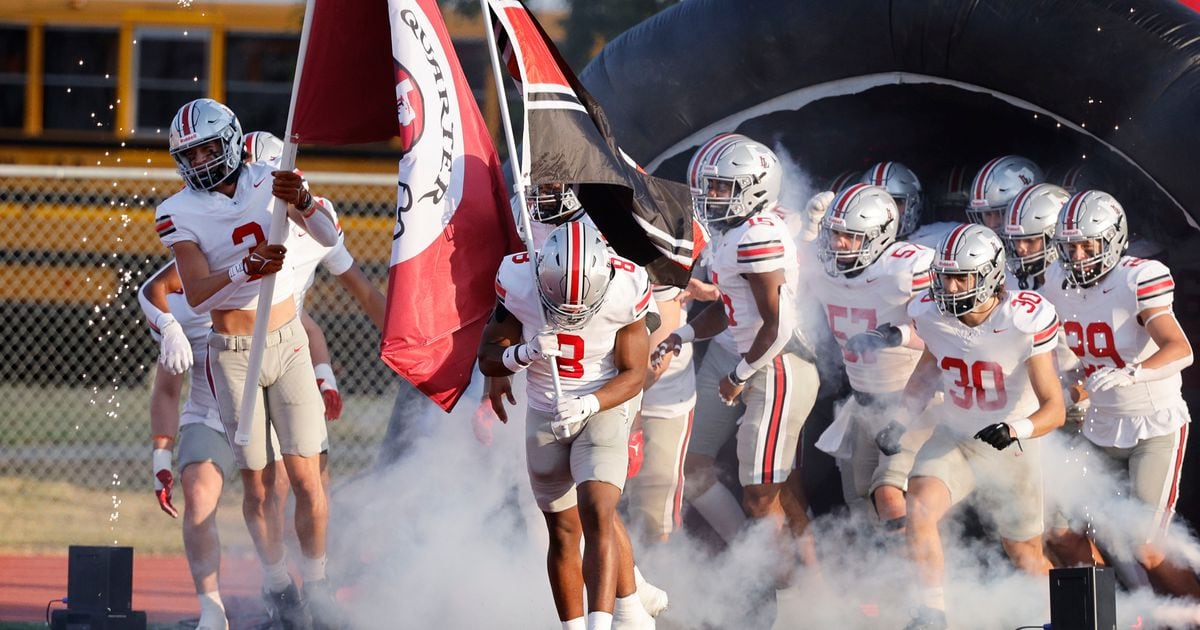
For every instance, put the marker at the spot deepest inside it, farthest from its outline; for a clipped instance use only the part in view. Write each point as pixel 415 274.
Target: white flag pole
pixel 276 235
pixel 520 175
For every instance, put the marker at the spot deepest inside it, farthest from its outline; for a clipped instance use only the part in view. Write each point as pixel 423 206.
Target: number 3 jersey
pixel 759 245
pixel 878 295
pixel 983 367
pixel 587 360
pixel 1100 326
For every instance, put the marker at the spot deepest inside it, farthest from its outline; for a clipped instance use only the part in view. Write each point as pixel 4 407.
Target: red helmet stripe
pixel 880 175
pixel 983 177
pixel 840 209
pixel 250 144
pixel 1072 175
pixel 185 119
pixel 952 241
pixel 575 270
pixel 1071 220
pixel 1014 217
pixel 707 155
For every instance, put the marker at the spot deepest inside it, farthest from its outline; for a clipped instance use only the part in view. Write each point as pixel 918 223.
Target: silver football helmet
pixel 953 193
pixel 968 250
pixel 553 203
pixel 262 146
pixel 863 216
pixel 737 178
pixel 1028 225
pixel 902 184
pixel 995 186
pixel 198 122
pixel 573 273
pixel 844 180
pixel 1080 177
pixel 1092 222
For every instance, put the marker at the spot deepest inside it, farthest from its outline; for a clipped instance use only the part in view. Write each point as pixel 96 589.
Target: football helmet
pixel 1032 214
pixel 262 146
pixel 197 123
pixel 867 214
pixel 967 250
pixel 553 203
pixel 953 194
pixel 573 274
pixel 904 187
pixel 737 178
pixel 1080 177
pixel 1096 216
pixel 844 180
pixel 995 186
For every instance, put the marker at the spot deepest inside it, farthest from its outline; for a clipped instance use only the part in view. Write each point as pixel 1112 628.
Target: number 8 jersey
pixel 587 361
pixel 983 367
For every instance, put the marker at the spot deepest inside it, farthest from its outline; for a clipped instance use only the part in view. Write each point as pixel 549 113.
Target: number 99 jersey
pixel 1101 327
pixel 983 367
pixel 587 357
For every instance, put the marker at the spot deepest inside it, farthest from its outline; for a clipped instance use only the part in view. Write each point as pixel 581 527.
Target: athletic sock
pixel 312 569
pixel 599 621
pixel 212 610
pixel 578 623
pixel 628 609
pixel 934 598
pixel 276 576
pixel 721 510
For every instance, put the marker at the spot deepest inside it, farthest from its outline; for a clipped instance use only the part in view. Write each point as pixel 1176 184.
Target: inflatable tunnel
pixel 935 84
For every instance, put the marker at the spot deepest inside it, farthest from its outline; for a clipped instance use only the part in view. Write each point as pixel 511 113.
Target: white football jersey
pixel 984 374
pixel 759 245
pixel 226 229
pixel 1100 326
pixel 673 394
pixel 931 234
pixel 878 295
pixel 304 253
pixel 587 360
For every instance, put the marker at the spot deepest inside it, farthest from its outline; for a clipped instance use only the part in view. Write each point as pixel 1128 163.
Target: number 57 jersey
pixel 983 367
pixel 587 360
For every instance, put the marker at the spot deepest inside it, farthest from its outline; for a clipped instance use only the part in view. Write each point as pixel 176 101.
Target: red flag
pixel 453 221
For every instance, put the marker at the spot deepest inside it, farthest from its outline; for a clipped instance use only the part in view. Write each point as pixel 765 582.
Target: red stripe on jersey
pixel 250 145
pixel 164 225
pixel 775 420
pixel 677 503
pixel 1169 283
pixel 981 179
pixel 758 251
pixel 1169 508
pixel 642 303
pixel 922 281
pixel 500 290
pixel 1046 333
pixel 1014 217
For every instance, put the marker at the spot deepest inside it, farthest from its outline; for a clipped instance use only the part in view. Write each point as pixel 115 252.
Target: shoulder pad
pixel 1031 311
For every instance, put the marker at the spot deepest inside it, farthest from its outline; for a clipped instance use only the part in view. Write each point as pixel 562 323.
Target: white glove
pixel 570 412
pixel 1107 378
pixel 816 211
pixel 544 344
pixel 175 351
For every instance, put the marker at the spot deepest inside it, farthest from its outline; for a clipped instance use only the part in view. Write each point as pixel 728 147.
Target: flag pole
pixel 276 235
pixel 519 175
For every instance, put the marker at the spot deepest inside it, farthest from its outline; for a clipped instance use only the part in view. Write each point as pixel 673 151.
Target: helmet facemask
pixel 720 203
pixel 974 253
pixel 1031 266
pixel 1094 221
pixel 849 261
pixel 1090 269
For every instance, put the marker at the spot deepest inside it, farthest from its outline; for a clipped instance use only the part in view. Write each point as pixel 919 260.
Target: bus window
pixel 80 89
pixel 172 69
pixel 258 78
pixel 12 75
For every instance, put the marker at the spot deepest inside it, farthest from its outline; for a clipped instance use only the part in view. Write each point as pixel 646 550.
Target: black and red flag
pixel 566 138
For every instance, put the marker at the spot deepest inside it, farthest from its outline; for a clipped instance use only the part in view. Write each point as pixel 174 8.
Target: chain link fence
pixel 78 361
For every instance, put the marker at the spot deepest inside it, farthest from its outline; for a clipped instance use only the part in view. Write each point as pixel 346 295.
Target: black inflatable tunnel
pixel 934 84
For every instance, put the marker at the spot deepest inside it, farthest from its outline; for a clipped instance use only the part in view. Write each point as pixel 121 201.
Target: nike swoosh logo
pixel 1109 289
pixel 256 184
pixel 298 349
pixel 999 330
pixel 870 280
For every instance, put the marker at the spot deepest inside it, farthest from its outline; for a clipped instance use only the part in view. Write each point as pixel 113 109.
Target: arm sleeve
pixel 338 260
pixel 324 228
pixel 151 311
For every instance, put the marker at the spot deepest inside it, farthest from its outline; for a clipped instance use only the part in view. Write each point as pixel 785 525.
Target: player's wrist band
pixel 237 274
pixel 686 333
pixel 308 205
pixel 161 458
pixel 511 360
pixel 164 320
pixel 1022 429
pixel 741 373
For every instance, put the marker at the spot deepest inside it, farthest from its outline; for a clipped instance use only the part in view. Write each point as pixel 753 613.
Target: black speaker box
pixel 96 620
pixel 1083 598
pixel 100 579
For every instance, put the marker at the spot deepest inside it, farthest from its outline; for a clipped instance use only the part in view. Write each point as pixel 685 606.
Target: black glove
pixel 997 435
pixel 888 440
pixel 885 336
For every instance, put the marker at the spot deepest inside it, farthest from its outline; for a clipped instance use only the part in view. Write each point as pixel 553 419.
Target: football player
pixel 904 187
pixel 996 184
pixel 1118 320
pixel 586 309
pixel 1028 234
pixel 989 350
pixel 757 379
pixel 870 277
pixel 217 228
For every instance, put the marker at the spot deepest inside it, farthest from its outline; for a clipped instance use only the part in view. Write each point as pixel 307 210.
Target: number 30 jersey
pixel 587 360
pixel 1100 326
pixel 983 367
pixel 879 295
